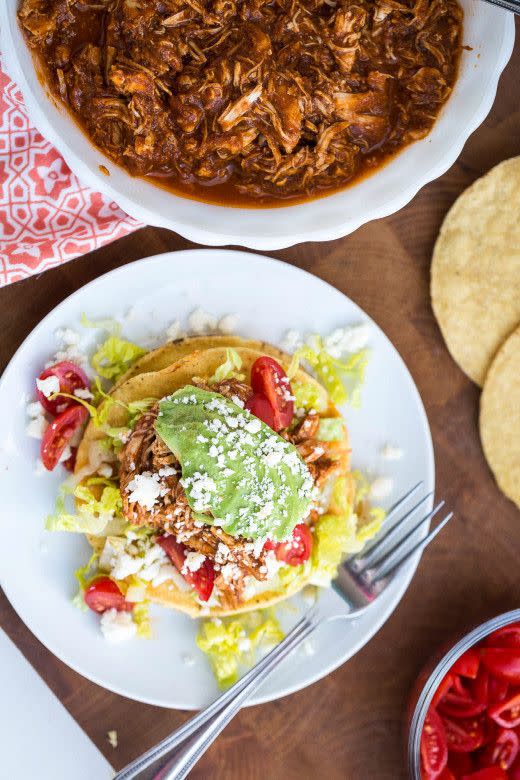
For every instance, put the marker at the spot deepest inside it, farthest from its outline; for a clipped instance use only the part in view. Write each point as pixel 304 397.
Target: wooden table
pixel 349 725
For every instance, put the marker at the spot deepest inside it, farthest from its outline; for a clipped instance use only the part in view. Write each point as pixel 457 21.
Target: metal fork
pixel 361 578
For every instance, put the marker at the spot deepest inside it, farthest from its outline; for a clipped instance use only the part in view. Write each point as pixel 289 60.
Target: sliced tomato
pixel 507 712
pixel 457 706
pixel 261 408
pixel 434 749
pixel 103 594
pixel 442 690
pixel 71 377
pixel 498 689
pixel 468 664
pixel 297 550
pixel 270 380
pixel 464 735
pixel 480 686
pixel 507 636
pixel 201 580
pixel 503 663
pixel 489 773
pixel 59 433
pixel 503 751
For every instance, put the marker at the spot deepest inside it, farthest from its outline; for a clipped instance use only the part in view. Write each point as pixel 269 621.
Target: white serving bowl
pixel 489 31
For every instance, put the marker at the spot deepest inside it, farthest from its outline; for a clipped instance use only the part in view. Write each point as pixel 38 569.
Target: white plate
pixel 488 30
pixel 36 567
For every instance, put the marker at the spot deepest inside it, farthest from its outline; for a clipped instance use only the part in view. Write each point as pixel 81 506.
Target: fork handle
pixel 183 758
pixel 146 765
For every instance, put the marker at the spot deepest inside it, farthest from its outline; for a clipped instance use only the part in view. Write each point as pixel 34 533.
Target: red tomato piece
pixel 468 664
pixel 464 735
pixel 456 706
pixel 489 773
pixel 460 763
pixel 446 774
pixel 442 690
pixel 71 377
pixel 506 713
pixel 498 689
pixel 434 750
pixel 201 580
pixel 59 433
pixel 503 663
pixel 503 751
pixel 480 686
pixel 261 408
pixel 103 594
pixel 297 550
pixel 270 380
pixel 70 463
pixel 507 636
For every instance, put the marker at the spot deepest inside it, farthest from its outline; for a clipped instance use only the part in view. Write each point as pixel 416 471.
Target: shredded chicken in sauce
pixel 263 99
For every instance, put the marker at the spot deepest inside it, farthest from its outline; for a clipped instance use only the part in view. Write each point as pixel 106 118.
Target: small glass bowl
pixel 431 677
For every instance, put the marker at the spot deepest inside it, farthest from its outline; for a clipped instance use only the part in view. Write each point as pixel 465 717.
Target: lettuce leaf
pixel 115 356
pixel 331 429
pixel 96 516
pixel 306 396
pixel 84 576
pixel 341 378
pixel 229 368
pixel 232 644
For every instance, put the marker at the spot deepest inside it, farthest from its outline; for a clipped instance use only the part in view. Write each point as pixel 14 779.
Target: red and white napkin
pixel 46 215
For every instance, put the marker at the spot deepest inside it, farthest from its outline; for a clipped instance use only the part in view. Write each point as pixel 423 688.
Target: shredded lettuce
pixel 96 516
pixel 306 396
pixel 108 323
pixel 336 535
pixel 232 644
pixel 84 577
pixel 229 368
pixel 331 429
pixel 341 378
pixel 141 617
pixel 115 356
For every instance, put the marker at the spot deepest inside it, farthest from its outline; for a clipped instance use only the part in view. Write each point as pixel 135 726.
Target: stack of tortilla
pixel 475 288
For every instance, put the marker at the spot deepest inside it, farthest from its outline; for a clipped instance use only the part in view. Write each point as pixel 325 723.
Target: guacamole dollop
pixel 236 471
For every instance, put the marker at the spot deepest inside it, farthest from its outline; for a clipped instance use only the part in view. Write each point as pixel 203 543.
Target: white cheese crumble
pixel 36 427
pixel 174 331
pixel 48 386
pixel 117 626
pixel 228 323
pixel 67 336
pixel 389 452
pixel 292 340
pixel 201 322
pixel 381 488
pixel 112 738
pixel 84 393
pixel 65 455
pixel 145 489
pixel 349 339
pixel 105 470
pixel 193 561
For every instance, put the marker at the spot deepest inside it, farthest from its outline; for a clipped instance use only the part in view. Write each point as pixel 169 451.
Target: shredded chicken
pixel 260 99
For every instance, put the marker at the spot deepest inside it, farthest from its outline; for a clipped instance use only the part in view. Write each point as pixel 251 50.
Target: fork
pixel 361 578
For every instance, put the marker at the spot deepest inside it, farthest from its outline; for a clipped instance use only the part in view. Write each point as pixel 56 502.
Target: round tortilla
pixel 475 274
pixel 500 417
pixel 157 384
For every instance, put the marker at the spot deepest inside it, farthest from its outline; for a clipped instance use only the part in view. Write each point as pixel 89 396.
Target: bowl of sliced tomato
pixel 464 714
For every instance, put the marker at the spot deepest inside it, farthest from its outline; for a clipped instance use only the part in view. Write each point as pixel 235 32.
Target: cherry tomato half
pixel 71 377
pixel 507 636
pixel 506 713
pixel 202 580
pixel 261 408
pixel 503 663
pixel 442 690
pixel 502 751
pixel 434 749
pixel 103 594
pixel 456 706
pixel 446 774
pixel 270 380
pixel 59 433
pixel 468 664
pixel 297 550
pixel 464 734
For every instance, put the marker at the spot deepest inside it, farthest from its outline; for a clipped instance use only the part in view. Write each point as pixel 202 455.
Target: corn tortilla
pixel 475 274
pixel 500 417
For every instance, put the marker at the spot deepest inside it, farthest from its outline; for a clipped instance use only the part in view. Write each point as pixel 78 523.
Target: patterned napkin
pixel 46 215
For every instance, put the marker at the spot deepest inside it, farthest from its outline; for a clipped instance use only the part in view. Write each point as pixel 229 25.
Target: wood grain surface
pixel 350 724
